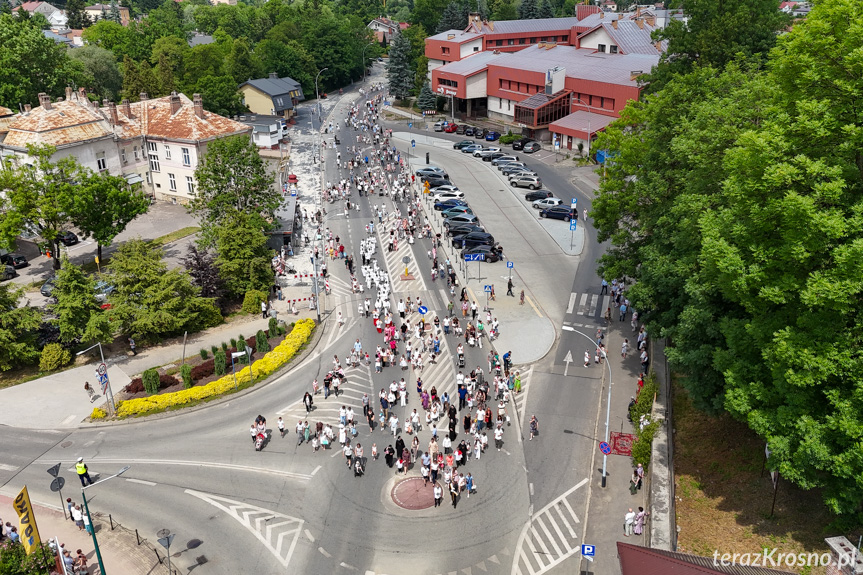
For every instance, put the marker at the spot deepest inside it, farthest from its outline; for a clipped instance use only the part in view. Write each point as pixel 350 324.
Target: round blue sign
pixel 423 310
pixel 604 447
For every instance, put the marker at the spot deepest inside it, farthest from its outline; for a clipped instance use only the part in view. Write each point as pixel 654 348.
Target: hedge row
pixel 272 361
pixel 137 384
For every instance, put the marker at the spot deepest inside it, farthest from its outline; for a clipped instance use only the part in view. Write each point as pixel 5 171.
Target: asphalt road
pixel 288 508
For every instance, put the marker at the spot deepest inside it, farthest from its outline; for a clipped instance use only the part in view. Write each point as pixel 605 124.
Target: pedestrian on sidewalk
pixel 587 359
pixel 90 391
pixel 521 298
pixel 438 495
pixel 624 347
pixel 604 289
pixel 132 346
pixel 628 522
pixel 640 518
pixel 263 310
pixel 509 286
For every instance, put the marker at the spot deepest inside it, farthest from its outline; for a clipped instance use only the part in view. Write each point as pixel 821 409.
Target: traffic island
pixel 413 494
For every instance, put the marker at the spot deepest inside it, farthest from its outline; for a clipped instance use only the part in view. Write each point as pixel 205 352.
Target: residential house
pixel 272 96
pixel 98 12
pixel 386 29
pixel 56 17
pixel 58 38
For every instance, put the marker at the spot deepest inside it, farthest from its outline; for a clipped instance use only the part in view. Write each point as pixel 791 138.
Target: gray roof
pixel 580 63
pixel 460 36
pixel 581 121
pixel 537 25
pixel 57 38
pixel 199 39
pixel 630 38
pixel 279 89
pixel 471 65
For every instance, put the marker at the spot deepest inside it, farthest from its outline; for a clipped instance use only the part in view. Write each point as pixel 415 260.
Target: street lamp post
pixel 318 97
pixel 364 59
pixel 109 394
pixel 90 518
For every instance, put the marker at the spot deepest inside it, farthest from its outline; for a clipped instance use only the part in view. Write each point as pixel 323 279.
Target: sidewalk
pixel 119 548
pixel 58 401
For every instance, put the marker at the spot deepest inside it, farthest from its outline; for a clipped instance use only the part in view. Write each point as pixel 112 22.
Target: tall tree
pixel 101 65
pixel 426 99
pixel 232 177
pixel 79 314
pixel 528 9
pixel 241 63
pixel 220 95
pixel 77 17
pixel 18 329
pixel 400 76
pixel 150 301
pixel 114 14
pixel 38 197
pixel 453 17
pixel 505 10
pixel 427 13
pixel 103 205
pixel 242 254
pixel 202 268
pixel 546 10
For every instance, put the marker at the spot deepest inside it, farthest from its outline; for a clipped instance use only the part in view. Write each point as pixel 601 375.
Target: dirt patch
pixel 723 501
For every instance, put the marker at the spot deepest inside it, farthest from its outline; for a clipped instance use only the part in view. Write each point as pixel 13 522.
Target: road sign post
pixel 57 484
pixel 509 266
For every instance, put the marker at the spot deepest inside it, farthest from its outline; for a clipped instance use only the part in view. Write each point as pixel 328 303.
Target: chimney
pixel 651 21
pixel 69 91
pixel 658 45
pixel 104 102
pixel 198 104
pixel 640 23
pixel 450 36
pixel 143 96
pixel 27 108
pixel 175 103
pixel 614 24
pixel 638 12
pixel 601 15
pixel 112 113
pixel 127 107
pixel 635 74
pixel 620 16
pixel 274 76
pixel 45 100
pixel 82 94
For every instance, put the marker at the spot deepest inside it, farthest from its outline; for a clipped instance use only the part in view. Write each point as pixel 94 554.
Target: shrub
pixel 252 301
pixel 240 338
pixel 151 381
pixel 206 369
pixel 186 374
pixel 271 326
pixel 261 343
pixel 224 346
pixel 98 414
pixel 280 331
pixel 214 349
pixel 135 386
pixel 272 361
pixel 54 356
pixel 167 380
pixel 220 363
pixel 233 343
pixel 644 402
pixel 641 445
pixel 204 354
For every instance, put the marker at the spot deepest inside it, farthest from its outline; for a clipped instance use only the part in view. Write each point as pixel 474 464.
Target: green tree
pixel 220 95
pixel 427 13
pixel 287 59
pixel 114 13
pixel 169 56
pixel 202 268
pixel 427 98
pixel 79 315
pixel 240 63
pixel 505 10
pixel 38 197
pixel 103 206
pixel 528 9
pixel 453 17
pixel 400 76
pixel 77 16
pixel 204 60
pixel 102 68
pixel 18 325
pixel 232 178
pixel 138 78
pixel 242 254
pixel 150 301
pixel 546 10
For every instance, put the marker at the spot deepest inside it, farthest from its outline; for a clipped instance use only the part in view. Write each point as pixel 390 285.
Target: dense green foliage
pixel 242 255
pixel 150 378
pixel 735 202
pixel 186 375
pixel 400 75
pixel 18 327
pixel 80 318
pixel 261 344
pixel 53 357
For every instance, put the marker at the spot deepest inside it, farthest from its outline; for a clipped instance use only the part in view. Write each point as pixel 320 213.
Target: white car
pixel 527 172
pixel 444 188
pixel 485 151
pixel 546 203
pixel 441 196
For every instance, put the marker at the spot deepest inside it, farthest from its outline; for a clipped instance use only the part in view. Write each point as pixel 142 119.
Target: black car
pixel 461 229
pixel 462 144
pixel 537 195
pixel 468 130
pixel 479 133
pixel 492 254
pixel 519 144
pixel 7 273
pixel 47 287
pixel 494 156
pixel 17 261
pixel 473 239
pixel 564 213
pixel 67 238
pixel 435 181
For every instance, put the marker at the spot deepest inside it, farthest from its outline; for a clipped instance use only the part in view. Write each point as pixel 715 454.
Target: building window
pixel 167 153
pixel 152 146
pixel 600 48
pixel 510 42
pixel 533 40
pixel 499 43
pixel 190 185
pixel 154 160
pixel 123 154
pixel 172 182
pixel 508 105
pixel 187 160
pixel 137 157
pixel 612 49
pixel 100 161
pixel 444 50
pixel 476 48
pixel 521 40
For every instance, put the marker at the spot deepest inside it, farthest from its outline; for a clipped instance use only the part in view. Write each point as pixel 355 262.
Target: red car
pixel 450 128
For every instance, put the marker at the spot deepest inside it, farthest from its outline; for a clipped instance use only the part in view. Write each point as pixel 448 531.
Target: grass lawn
pixel 723 503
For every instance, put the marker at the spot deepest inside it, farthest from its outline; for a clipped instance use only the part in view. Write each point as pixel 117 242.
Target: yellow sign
pixel 97 259
pixel 27 522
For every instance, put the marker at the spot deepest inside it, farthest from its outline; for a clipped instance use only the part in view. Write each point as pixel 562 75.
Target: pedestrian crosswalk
pixel 591 305
pixel 550 536
pixel 395 261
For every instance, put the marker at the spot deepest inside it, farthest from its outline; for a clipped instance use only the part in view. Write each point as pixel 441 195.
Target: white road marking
pixel 244 513
pixel 571 305
pixel 301 476
pixel 316 469
pixel 324 552
pixel 567 328
pixel 7 467
pixel 530 487
pixel 309 535
pixel 141 482
pixel 69 419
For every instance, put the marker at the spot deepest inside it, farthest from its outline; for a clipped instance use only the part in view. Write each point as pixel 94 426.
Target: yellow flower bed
pixel 272 361
pixel 98 414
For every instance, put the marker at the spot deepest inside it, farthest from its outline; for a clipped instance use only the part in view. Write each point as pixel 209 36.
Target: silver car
pixel 546 203
pixel 530 182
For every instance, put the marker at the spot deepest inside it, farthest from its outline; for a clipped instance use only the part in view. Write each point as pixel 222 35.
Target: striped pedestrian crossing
pixel 588 305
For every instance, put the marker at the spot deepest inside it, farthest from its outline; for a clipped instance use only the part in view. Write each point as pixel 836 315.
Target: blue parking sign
pixel 572 225
pixel 588 550
pixel 510 264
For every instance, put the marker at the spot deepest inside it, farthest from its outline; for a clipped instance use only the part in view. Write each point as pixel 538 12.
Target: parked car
pixel 493 156
pixel 468 131
pixel 461 128
pixel 491 136
pixel 455 211
pixel 532 147
pixel 17 261
pixel 547 203
pixel 439 126
pixel 531 182
pixel 504 158
pixel 444 188
pixel 519 173
pixel 435 181
pixel 460 219
pixel 519 144
pixel 504 163
pixel 450 128
pixel 67 238
pixel 444 205
pixel 537 195
pixel 103 290
pixel 443 196
pixel 511 168
pixel 473 239
pixel 486 152
pixel 471 149
pixel 561 212
pixel 8 272
pixel 462 144
pixel 48 287
pixel 480 133
pixel 461 229
pixel 432 171
pixel 492 254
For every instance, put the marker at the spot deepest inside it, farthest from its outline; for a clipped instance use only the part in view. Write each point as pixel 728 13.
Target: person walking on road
pixel 534 427
pixel 438 495
pixel 628 522
pixel 83 472
pixel 509 286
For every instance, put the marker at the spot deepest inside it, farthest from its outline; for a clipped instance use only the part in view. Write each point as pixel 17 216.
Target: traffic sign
pixel 510 264
pixel 574 202
pixel 406 260
pixel 474 257
pixel 410 124
pixel 413 143
pixel 604 447
pixel 54 471
pixel 101 369
pixel 572 225
pixel 487 289
pixel 588 550
pixel 423 310
pixel 57 484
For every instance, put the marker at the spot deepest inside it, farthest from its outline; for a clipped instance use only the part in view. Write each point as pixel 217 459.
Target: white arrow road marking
pixel 233 508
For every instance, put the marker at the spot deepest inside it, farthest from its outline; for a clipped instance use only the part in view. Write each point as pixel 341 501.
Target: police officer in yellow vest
pixel 81 469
